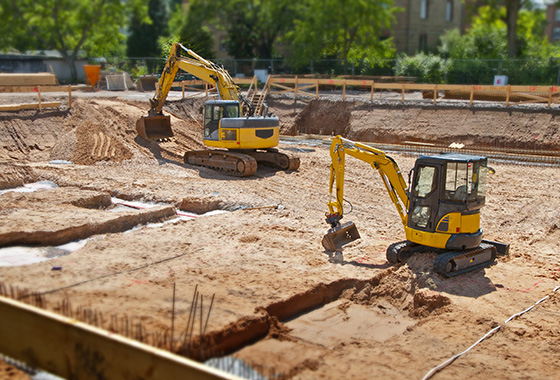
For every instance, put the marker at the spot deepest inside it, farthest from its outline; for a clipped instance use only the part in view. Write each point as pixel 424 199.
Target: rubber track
pixel 440 263
pixel 230 163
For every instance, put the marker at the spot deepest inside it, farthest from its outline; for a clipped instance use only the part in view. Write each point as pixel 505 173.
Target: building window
pixel 557 15
pixel 423 42
pixel 556 34
pixel 224 44
pixel 449 11
pixel 423 9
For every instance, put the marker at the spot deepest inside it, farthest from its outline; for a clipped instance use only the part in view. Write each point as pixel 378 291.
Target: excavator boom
pixel 156 126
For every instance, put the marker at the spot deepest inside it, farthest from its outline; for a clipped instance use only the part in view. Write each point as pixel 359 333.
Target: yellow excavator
pixel 440 211
pixel 230 122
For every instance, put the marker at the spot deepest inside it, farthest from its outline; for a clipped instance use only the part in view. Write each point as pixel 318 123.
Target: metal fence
pixel 519 71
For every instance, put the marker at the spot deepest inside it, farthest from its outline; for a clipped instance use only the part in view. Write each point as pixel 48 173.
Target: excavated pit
pixel 278 297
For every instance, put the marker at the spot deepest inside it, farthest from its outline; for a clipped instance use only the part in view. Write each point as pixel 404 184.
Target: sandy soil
pixel 279 301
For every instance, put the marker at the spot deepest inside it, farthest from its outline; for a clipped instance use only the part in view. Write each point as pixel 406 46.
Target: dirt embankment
pixel 485 126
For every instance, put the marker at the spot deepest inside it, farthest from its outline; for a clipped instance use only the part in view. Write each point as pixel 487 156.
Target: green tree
pixel 143 40
pixel 193 31
pixel 511 16
pixel 350 30
pixel 487 37
pixel 254 26
pixel 67 26
pixel 427 68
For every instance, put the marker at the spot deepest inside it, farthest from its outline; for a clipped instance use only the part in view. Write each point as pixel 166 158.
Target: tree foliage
pixel 349 30
pixel 427 68
pixel 511 13
pixel 254 26
pixel 193 31
pixel 67 26
pixel 144 34
pixel 487 38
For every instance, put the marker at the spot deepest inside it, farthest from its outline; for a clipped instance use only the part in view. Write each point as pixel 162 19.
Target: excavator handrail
pixel 387 167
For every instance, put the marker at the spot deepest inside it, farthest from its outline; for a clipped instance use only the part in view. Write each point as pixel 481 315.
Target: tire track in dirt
pixel 102 147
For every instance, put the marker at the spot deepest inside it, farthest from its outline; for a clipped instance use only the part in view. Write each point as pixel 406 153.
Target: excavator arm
pixel 396 187
pixel 157 126
pixel 200 68
pixel 386 166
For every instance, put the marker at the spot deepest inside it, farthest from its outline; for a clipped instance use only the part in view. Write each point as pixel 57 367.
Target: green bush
pixel 427 68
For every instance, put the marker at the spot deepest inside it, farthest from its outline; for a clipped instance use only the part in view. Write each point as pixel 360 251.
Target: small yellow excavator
pixel 440 212
pixel 229 122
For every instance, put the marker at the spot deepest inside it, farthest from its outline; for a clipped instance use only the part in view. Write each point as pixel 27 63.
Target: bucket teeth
pixel 339 236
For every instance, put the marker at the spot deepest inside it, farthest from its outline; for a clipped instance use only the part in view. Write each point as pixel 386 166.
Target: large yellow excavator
pixel 440 211
pixel 229 123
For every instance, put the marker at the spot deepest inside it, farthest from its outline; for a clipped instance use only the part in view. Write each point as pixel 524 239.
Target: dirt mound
pixel 29 135
pixel 99 133
pixel 407 288
pixel 99 130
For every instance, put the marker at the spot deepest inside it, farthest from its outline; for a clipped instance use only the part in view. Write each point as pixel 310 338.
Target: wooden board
pixel 29 106
pixel 28 79
pixel 72 349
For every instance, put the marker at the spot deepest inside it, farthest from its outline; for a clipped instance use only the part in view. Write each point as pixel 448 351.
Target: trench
pixel 249 330
pixel 28 247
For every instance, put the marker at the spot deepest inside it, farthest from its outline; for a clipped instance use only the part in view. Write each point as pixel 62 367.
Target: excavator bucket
pixel 154 127
pixel 340 236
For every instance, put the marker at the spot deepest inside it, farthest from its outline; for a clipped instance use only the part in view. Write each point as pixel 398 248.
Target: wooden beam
pixel 29 106
pixel 75 350
pixel 28 79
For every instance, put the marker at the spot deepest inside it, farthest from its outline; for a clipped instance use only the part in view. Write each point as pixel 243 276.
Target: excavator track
pixel 454 263
pixel 273 157
pixel 398 252
pixel 230 163
pixel 448 263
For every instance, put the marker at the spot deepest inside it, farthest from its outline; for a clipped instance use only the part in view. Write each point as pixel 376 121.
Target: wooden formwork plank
pixel 28 79
pixel 29 106
pixel 75 350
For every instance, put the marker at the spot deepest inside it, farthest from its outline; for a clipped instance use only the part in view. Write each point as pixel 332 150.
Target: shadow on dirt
pixel 338 258
pixel 472 284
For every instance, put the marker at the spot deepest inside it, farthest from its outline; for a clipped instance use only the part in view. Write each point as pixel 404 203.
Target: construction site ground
pixel 280 302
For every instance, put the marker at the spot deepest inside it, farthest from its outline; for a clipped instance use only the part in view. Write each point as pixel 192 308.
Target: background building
pixel 422 22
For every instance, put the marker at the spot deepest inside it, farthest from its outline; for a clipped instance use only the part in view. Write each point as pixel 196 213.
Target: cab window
pixel 208 114
pixel 231 111
pixel 217 113
pixel 465 181
pixel 426 181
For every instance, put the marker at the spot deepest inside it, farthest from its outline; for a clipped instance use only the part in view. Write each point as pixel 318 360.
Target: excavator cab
pixel 446 196
pixel 214 112
pixel 225 127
